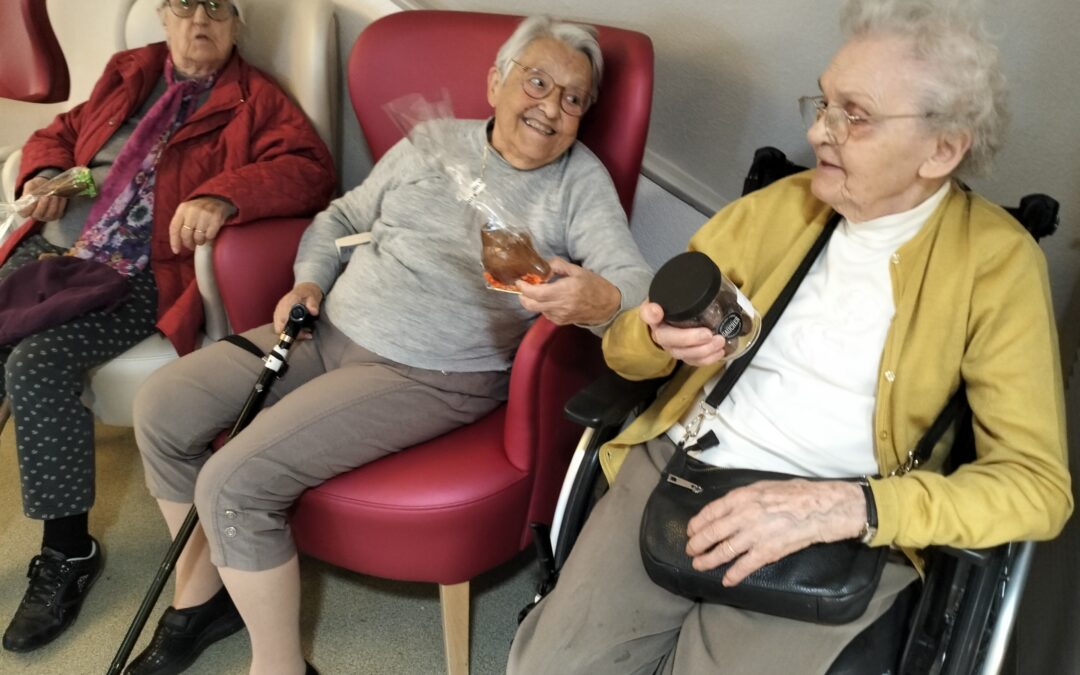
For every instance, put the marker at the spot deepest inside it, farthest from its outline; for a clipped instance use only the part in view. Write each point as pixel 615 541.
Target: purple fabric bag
pixel 47 293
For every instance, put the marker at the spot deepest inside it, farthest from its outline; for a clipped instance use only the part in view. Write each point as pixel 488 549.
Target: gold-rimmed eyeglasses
pixel 839 122
pixel 218 10
pixel 539 85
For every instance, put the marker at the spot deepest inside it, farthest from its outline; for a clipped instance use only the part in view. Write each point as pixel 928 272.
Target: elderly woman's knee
pixel 34 361
pixel 155 400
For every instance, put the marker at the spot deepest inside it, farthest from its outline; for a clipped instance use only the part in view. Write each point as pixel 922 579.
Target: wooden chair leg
pixel 455 617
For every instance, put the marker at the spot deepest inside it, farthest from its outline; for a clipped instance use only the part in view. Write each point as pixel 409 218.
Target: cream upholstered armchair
pixel 294 42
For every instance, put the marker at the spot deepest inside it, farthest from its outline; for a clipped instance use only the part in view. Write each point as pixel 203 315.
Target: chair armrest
pixel 252 267
pixel 215 319
pixel 973 556
pixel 610 399
pixel 10 156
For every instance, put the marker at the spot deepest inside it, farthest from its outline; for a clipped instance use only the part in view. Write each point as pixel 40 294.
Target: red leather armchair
pixel 454 507
pixel 32 67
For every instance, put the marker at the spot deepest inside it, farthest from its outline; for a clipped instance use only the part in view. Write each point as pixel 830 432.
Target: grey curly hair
pixel 581 37
pixel 965 88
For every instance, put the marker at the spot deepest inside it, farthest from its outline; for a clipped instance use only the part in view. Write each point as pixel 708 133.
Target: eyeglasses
pixel 539 85
pixel 218 10
pixel 839 122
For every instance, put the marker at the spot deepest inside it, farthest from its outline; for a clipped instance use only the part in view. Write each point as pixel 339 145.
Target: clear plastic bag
pixel 76 181
pixel 507 252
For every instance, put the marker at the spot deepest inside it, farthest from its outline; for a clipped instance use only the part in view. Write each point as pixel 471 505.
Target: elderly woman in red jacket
pixel 184 138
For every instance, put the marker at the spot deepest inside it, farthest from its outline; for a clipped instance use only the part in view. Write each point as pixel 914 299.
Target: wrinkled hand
pixel 761 523
pixel 694 346
pixel 44 209
pixel 198 221
pixel 305 292
pixel 578 296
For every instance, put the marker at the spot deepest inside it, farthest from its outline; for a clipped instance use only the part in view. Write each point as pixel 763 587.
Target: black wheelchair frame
pixel 958 621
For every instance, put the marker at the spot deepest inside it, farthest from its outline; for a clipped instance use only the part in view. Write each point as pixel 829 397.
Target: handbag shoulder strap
pixel 953 409
pixel 735 370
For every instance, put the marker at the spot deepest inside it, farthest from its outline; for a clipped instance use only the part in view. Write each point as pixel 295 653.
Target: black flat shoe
pixel 182 634
pixel 58 586
pixel 310 669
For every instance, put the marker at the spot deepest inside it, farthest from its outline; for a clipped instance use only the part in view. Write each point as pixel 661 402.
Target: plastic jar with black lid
pixel 692 292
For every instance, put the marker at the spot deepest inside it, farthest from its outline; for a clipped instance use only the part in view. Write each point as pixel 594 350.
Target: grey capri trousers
pixel 338 406
pixel 606 617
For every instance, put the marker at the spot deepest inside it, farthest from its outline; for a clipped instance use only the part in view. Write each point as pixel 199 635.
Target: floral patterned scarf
pixel 117 231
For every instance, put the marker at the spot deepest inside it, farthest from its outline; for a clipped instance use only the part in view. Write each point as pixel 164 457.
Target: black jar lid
pixel 685 285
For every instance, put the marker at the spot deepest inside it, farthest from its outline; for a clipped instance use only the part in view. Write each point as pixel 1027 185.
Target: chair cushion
pixel 414 516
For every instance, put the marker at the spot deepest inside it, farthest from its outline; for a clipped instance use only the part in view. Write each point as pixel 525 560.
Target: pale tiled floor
pixel 352 624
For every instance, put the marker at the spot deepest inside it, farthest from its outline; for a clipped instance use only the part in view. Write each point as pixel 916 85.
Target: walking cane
pixel 275 364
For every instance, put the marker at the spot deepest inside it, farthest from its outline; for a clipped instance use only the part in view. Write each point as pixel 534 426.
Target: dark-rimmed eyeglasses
pixel 839 122
pixel 218 10
pixel 539 85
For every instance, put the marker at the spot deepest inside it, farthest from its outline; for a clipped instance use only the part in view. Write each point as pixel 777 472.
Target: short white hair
pixel 964 88
pixel 581 37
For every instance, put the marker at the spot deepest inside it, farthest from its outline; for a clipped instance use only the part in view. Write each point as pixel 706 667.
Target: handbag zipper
pixel 683 483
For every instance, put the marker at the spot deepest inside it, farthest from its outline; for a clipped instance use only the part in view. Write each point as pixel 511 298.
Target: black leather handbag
pixel 823 583
pixel 828 583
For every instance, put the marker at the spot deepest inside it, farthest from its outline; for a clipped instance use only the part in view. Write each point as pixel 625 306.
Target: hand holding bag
pixel 823 583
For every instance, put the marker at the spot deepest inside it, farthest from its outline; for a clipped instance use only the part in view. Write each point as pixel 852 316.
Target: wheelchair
pixel 957 621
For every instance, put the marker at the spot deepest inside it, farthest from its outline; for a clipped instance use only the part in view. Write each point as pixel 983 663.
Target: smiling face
pixel 528 132
pixel 886 165
pixel 199 45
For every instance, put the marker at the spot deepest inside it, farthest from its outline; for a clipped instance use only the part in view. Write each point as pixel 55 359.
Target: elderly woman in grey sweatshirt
pixel 407 325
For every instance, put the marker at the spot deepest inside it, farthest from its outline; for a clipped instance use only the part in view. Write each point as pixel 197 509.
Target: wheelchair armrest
pixel 973 556
pixel 609 399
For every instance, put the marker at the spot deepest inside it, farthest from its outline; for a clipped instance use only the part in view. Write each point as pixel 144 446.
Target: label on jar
pixel 730 326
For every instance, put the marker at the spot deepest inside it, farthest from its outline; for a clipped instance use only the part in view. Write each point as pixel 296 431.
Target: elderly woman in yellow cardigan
pixel 923 287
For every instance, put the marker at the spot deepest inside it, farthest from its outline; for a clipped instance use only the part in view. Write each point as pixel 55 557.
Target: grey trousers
pixel 606 617
pixel 338 407
pixel 43 375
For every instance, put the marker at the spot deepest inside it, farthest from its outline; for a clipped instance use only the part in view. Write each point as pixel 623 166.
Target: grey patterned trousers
pixel 43 376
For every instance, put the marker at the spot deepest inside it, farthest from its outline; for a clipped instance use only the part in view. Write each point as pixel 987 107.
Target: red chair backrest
pixel 32 66
pixel 454 50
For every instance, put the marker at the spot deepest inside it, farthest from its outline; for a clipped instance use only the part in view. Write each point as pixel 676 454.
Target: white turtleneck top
pixel 805 404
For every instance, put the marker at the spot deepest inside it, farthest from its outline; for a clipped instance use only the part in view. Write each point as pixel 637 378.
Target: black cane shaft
pixel 154 592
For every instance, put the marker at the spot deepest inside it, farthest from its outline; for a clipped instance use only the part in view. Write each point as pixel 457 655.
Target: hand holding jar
pixel 692 293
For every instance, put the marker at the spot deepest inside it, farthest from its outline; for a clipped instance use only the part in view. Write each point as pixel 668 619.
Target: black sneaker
pixel 183 634
pixel 58 586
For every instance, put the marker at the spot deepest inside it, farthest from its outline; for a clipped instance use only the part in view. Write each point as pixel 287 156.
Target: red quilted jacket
pixel 248 143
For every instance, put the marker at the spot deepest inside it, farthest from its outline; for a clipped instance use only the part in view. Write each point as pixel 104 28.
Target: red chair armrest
pixel 253 265
pixel 552 364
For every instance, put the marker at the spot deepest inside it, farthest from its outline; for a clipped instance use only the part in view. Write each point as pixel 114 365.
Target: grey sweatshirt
pixel 416 293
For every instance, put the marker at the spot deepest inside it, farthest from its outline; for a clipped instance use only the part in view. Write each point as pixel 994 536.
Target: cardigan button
pixel 884 434
pixel 895 258
pixel 890 375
